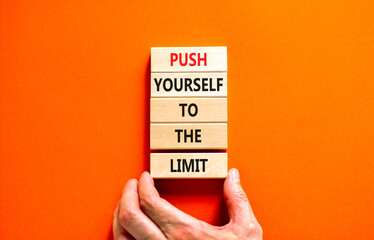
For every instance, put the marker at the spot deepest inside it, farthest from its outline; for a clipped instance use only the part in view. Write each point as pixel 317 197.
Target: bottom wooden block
pixel 189 165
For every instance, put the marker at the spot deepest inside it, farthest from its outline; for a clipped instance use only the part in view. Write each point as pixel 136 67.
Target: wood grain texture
pixel 176 110
pixel 189 165
pixel 216 59
pixel 211 136
pixel 215 83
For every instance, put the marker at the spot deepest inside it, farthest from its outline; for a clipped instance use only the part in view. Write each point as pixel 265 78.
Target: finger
pixel 132 219
pixel 169 218
pixel 236 200
pixel 119 233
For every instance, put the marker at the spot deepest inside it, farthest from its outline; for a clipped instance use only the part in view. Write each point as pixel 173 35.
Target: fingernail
pixel 132 180
pixel 234 174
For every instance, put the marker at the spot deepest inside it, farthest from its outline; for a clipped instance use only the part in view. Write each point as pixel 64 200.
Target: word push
pixel 188 111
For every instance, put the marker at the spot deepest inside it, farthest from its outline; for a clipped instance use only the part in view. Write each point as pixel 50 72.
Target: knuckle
pixel 146 203
pixel 126 216
pixel 187 229
pixel 240 195
pixel 191 230
pixel 184 232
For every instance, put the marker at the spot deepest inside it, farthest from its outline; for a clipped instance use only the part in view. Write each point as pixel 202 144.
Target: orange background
pixel 74 99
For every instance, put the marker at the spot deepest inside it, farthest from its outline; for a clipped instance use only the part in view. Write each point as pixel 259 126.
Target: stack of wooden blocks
pixel 188 132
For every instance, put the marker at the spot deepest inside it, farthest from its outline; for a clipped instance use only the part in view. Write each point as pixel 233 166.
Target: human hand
pixel 142 214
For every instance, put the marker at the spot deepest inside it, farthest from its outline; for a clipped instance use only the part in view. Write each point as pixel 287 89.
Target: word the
pixel 188 84
pixel 194 135
pixel 190 59
pixel 191 165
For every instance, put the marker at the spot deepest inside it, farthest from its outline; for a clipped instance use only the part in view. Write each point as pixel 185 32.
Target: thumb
pixel 236 200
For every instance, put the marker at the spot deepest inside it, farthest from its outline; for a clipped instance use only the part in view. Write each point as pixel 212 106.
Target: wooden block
pixel 188 136
pixel 189 165
pixel 189 84
pixel 189 59
pixel 168 110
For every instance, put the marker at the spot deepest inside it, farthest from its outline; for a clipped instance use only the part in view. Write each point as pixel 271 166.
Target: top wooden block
pixel 189 59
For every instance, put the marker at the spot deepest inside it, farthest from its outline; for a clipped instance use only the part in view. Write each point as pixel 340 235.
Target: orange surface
pixel 74 112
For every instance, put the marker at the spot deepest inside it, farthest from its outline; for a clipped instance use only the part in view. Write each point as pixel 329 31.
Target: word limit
pixel 191 165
